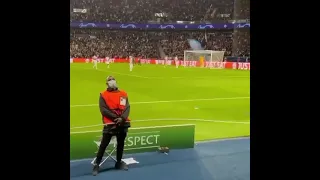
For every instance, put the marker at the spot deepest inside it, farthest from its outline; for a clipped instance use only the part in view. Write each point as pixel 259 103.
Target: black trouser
pixel 106 138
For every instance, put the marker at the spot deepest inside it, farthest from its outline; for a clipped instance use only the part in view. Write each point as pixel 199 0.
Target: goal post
pixel 203 56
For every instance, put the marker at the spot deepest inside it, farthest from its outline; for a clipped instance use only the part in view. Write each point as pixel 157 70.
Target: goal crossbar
pixel 214 55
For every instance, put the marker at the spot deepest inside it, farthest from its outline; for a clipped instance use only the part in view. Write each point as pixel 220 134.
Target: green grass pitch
pixel 217 101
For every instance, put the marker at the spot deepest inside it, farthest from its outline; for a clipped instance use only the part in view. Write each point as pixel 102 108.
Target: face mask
pixel 112 84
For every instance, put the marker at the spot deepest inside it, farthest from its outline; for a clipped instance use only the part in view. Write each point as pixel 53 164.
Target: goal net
pixel 203 56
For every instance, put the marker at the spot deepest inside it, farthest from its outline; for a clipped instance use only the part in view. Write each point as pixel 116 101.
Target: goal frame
pixel 211 52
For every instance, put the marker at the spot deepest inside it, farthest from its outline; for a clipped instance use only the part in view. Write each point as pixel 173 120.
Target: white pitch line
pixel 146 77
pixel 203 77
pixel 148 127
pixel 169 101
pixel 173 119
pixel 222 139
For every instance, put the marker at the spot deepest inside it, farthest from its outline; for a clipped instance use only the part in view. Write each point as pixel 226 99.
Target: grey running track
pixel 215 160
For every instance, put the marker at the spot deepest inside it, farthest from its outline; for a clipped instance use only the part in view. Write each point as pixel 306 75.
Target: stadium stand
pixel 144 10
pixel 146 43
pixel 222 159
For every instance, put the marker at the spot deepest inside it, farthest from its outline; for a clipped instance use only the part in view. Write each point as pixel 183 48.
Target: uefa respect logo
pixel 135 141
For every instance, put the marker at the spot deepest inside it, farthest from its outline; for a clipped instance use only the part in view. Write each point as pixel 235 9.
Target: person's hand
pixel 119 121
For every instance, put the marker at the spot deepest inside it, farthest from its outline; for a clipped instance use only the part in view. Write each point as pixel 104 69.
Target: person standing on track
pixel 115 110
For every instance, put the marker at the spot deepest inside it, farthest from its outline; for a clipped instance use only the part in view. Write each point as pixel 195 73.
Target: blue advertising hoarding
pixel 172 26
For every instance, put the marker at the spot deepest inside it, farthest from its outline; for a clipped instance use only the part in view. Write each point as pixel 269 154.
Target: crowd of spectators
pixel 123 43
pixel 172 10
pixel 152 43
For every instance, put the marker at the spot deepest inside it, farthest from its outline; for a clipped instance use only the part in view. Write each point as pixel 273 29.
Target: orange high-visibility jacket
pixel 116 101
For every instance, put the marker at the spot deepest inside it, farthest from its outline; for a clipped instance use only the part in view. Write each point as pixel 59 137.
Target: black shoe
pixel 95 170
pixel 121 165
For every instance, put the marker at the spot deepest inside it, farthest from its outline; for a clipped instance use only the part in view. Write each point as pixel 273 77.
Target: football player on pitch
pixel 165 61
pixel 176 61
pixel 95 62
pixel 107 60
pixel 131 61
